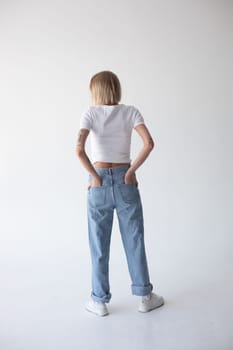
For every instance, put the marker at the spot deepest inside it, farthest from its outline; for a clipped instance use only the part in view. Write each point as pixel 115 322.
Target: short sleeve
pixel 85 121
pixel 137 118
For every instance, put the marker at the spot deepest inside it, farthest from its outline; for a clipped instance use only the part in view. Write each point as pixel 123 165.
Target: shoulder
pixel 87 110
pixel 87 113
pixel 131 108
pixel 134 112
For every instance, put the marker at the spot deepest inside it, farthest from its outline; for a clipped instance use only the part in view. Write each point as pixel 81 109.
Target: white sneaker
pixel 150 304
pixel 99 309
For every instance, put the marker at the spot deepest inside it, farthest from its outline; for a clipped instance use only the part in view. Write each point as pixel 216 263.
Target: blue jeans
pixel 101 202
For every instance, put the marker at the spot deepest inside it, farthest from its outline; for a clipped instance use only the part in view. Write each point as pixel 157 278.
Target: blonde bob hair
pixel 105 88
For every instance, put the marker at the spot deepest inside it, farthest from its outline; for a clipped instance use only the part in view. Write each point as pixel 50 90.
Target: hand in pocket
pixel 96 182
pixel 130 178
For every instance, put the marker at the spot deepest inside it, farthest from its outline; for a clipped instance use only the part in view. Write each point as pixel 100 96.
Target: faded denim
pixel 101 202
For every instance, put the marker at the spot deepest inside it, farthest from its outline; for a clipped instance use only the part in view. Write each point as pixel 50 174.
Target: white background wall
pixel 174 60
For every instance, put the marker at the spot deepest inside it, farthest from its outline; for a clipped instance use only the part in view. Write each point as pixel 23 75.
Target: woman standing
pixel 113 185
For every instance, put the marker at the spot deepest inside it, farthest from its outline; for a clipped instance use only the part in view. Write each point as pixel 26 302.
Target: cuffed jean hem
pixel 141 290
pixel 105 299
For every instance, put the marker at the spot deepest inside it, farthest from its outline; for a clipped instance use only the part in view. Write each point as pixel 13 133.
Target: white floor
pixel 37 316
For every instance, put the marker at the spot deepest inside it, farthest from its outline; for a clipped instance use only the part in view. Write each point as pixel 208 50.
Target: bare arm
pixel 145 151
pixel 81 153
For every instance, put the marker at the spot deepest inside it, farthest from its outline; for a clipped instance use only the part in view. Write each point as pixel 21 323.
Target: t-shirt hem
pixel 138 124
pixel 84 127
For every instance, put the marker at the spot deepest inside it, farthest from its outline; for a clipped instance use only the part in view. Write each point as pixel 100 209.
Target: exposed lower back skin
pixel 107 164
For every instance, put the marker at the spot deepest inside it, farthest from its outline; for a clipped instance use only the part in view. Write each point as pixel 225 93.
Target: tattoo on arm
pixel 80 136
pixel 151 142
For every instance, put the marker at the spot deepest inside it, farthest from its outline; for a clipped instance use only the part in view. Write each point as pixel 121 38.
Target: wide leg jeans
pixel 101 203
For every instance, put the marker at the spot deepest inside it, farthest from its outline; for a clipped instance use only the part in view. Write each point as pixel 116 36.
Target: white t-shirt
pixel 110 131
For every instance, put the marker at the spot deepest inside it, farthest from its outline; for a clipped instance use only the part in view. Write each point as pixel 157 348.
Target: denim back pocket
pixel 129 193
pixel 97 195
